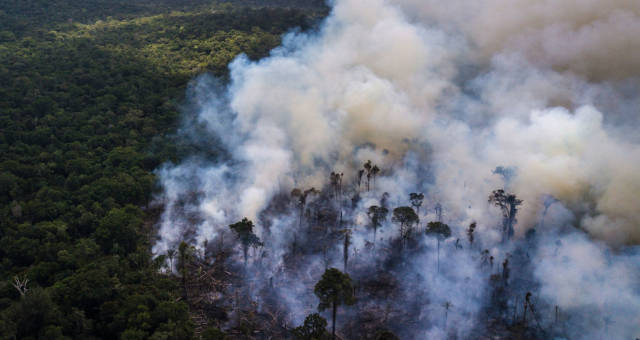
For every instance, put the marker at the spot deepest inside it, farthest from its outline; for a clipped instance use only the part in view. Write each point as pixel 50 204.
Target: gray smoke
pixel 438 95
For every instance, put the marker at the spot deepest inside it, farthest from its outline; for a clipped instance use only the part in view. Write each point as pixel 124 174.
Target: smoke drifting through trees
pixel 436 99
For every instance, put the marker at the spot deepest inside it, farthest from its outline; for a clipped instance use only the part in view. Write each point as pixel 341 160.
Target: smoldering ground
pixel 438 97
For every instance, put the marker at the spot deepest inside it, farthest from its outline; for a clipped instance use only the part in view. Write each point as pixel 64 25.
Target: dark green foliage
pixel 244 232
pixel 508 204
pixel 371 170
pixel 301 197
pixel 470 231
pixel 441 231
pixel 377 215
pixel 117 232
pixel 33 315
pixel 438 229
pixel 29 17
pixel 385 335
pixel 314 328
pixel 89 97
pixel 213 333
pixel 334 289
pixel 406 217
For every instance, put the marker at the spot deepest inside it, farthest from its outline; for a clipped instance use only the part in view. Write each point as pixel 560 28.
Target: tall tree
pixel 416 200
pixel 334 289
pixel 185 254
pixel 345 249
pixel 406 217
pixel 244 233
pixel 447 305
pixel 301 202
pixel 470 231
pixel 336 183
pixel 440 231
pixel 374 172
pixel 505 270
pixel 367 167
pixel 371 171
pixel 508 204
pixel 377 215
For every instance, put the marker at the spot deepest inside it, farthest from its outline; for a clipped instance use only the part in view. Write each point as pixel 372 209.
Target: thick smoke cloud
pixel 595 39
pixel 439 95
pixel 592 287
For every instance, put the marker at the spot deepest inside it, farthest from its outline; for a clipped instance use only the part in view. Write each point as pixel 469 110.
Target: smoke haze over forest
pixel 454 100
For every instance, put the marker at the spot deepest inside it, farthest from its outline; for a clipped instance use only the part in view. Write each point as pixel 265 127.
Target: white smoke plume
pixel 592 38
pixel 439 94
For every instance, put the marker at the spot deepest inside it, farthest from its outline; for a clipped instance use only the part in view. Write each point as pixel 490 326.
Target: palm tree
pixel 416 200
pixel 367 167
pixel 374 172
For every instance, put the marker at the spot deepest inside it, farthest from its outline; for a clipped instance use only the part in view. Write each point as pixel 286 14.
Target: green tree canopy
pixel 438 229
pixel 406 217
pixel 334 289
pixel 314 328
pixel 384 334
pixel 377 215
pixel 117 232
pixel 244 233
pixel 441 231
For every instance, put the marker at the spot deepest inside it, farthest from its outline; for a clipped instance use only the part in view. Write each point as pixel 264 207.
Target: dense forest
pixel 315 170
pixel 89 101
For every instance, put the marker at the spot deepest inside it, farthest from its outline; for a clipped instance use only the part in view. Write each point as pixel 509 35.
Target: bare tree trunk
pixel 446 314
pixel 20 285
pixel 438 256
pixel 325 255
pixel 300 216
pixel 245 251
pixel 374 236
pixel 295 243
pixel 333 328
pixel 347 243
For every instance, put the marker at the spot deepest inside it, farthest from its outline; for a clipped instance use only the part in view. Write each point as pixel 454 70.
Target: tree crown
pixel 335 287
pixel 405 216
pixel 438 229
